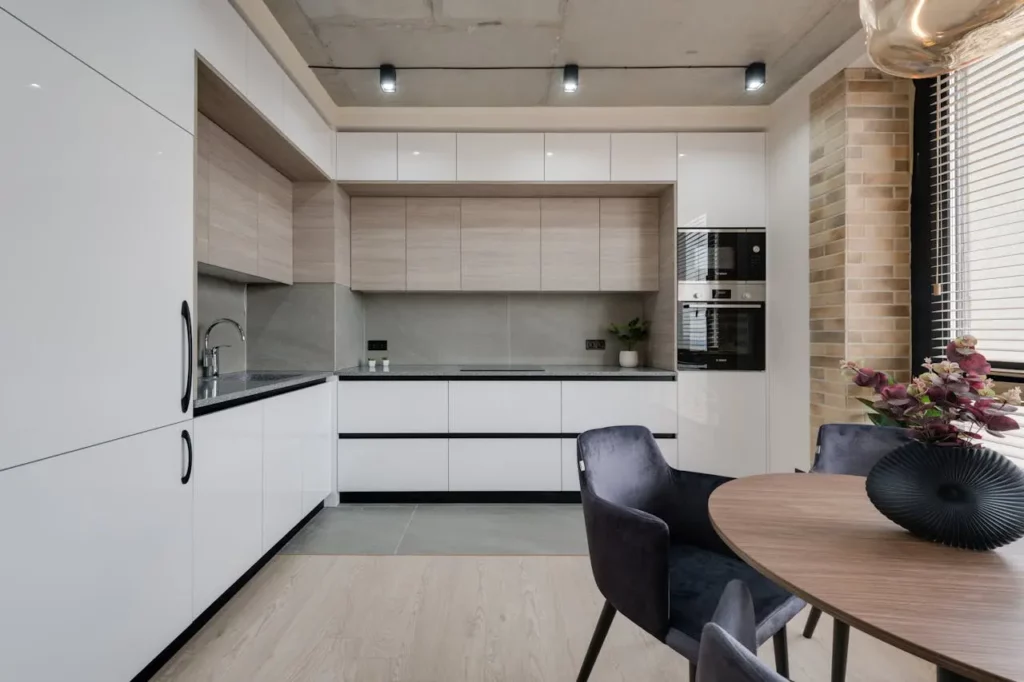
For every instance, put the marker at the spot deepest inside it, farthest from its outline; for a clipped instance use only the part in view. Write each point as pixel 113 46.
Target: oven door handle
pixel 702 306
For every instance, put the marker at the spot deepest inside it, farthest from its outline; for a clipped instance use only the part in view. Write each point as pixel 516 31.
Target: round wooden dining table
pixel 819 536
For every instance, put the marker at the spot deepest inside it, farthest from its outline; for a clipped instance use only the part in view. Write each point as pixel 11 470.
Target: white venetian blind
pixel 978 248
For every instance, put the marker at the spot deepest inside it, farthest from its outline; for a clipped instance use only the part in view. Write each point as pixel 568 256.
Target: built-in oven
pixel 721 326
pixel 720 255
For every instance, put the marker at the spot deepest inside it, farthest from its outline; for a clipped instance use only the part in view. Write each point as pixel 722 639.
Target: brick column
pixel 860 236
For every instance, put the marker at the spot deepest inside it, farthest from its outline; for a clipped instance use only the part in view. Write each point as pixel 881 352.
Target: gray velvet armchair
pixel 727 645
pixel 655 556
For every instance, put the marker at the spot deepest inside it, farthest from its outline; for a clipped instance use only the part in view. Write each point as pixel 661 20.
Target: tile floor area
pixel 444 529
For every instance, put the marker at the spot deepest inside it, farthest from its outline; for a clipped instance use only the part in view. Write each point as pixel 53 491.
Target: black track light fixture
pixel 756 77
pixel 388 78
pixel 571 78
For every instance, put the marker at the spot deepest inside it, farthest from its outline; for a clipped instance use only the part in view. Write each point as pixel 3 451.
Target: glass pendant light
pixel 925 38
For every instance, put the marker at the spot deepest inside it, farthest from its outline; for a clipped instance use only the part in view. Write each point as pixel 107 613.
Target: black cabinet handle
pixel 187 314
pixel 188 470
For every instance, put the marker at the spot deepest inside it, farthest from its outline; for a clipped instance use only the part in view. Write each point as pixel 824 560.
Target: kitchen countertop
pixel 534 372
pixel 227 390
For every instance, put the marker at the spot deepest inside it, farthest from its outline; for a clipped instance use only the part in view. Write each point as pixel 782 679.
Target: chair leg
pixel 812 622
pixel 840 649
pixel 781 643
pixel 604 622
pixel 693 672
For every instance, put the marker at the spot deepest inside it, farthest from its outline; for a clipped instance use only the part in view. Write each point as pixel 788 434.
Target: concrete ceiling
pixel 791 36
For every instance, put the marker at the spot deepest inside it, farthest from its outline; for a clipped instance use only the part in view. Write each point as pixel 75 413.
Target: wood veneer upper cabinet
pixel 501 244
pixel 201 191
pixel 274 223
pixel 433 248
pixel 570 241
pixel 378 243
pixel 234 202
pixel 629 244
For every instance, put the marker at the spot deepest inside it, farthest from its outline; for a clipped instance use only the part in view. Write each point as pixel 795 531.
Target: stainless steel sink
pixel 264 376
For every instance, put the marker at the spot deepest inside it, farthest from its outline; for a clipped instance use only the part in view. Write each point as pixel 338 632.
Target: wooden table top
pixel 820 536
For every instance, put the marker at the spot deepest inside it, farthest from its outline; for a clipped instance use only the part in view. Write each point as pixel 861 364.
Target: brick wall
pixel 860 236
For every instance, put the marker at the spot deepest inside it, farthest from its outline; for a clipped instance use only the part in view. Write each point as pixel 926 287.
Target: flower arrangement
pixel 950 403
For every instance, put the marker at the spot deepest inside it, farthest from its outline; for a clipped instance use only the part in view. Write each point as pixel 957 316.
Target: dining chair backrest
pixel 623 465
pixel 728 642
pixel 855 448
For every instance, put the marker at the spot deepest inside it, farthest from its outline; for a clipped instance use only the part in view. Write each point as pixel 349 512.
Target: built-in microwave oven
pixel 721 326
pixel 720 255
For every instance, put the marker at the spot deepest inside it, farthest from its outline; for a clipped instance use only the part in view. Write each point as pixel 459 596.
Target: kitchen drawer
pixel 393 465
pixel 390 406
pixel 499 464
pixel 594 404
pixel 504 407
pixel 570 477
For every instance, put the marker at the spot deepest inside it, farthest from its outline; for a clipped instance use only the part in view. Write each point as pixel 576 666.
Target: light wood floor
pixel 457 619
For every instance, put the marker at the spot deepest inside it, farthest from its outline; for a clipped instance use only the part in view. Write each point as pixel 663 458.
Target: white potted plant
pixel 630 334
pixel 385 363
pixel 372 362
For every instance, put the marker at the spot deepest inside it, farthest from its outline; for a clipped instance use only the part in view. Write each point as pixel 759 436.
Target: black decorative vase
pixel 971 498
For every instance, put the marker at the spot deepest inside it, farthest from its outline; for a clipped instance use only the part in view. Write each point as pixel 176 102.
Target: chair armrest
pixel 629 558
pixel 689 518
pixel 735 614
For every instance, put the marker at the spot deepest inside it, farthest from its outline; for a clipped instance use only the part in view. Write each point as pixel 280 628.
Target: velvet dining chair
pixel 851 449
pixel 728 650
pixel 654 554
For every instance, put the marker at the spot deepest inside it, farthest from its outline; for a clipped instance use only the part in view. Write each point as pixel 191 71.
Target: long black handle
pixel 188 441
pixel 187 314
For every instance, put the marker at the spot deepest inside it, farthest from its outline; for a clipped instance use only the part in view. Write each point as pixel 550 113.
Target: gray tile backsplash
pixel 291 327
pixel 349 321
pixel 216 298
pixel 497 328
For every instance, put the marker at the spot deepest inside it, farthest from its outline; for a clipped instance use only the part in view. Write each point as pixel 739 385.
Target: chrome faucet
pixel 211 356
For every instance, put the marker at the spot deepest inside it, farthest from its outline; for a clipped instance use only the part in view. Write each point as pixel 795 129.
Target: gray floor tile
pixel 353 529
pixel 495 529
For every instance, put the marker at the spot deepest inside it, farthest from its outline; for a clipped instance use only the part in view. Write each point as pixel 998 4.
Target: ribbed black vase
pixel 971 498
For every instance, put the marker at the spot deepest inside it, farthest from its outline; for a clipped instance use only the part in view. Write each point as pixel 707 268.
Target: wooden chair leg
pixel 781 643
pixel 693 672
pixel 604 622
pixel 812 622
pixel 840 650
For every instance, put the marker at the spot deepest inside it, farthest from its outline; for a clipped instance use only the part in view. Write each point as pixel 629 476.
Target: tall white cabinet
pixel 96 576
pixel 95 255
pixel 721 180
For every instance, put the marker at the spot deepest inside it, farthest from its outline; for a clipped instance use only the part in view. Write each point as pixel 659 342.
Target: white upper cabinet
pixel 96 577
pixel 305 128
pixel 97 238
pixel 501 157
pixel 145 47
pixel 426 157
pixel 643 157
pixel 721 180
pixel 221 39
pixel 577 157
pixel 367 156
pixel 264 81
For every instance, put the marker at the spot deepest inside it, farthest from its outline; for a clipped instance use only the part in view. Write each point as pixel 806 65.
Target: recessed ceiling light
pixel 755 77
pixel 571 78
pixel 388 78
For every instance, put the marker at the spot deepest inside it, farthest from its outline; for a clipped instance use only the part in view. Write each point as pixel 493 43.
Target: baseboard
pixel 511 497
pixel 168 653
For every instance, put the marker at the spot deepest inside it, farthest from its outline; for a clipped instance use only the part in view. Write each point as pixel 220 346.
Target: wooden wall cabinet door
pixel 234 202
pixel 629 244
pixel 501 244
pixel 433 248
pixel 570 238
pixel 274 225
pixel 378 243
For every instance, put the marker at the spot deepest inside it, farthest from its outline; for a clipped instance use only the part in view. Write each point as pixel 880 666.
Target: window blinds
pixel 978 245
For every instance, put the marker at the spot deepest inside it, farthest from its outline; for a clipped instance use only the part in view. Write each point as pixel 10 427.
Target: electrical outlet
pixel 595 344
pixel 376 345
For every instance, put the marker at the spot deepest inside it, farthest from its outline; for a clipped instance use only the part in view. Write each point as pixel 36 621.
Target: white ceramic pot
pixel 628 358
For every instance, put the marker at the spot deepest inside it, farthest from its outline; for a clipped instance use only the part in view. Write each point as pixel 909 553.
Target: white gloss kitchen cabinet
pixel 367 156
pixel 722 179
pixel 500 157
pixel 723 423
pixel 426 157
pixel 97 216
pixel 577 157
pixel 643 157
pixel 96 575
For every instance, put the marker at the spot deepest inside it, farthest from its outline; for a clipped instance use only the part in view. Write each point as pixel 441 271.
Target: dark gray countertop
pixel 241 386
pixel 513 372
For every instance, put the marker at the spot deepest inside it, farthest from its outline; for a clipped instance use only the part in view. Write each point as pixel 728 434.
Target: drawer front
pixel 570 475
pixel 594 404
pixel 393 465
pixel 514 464
pixel 504 407
pixel 389 406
